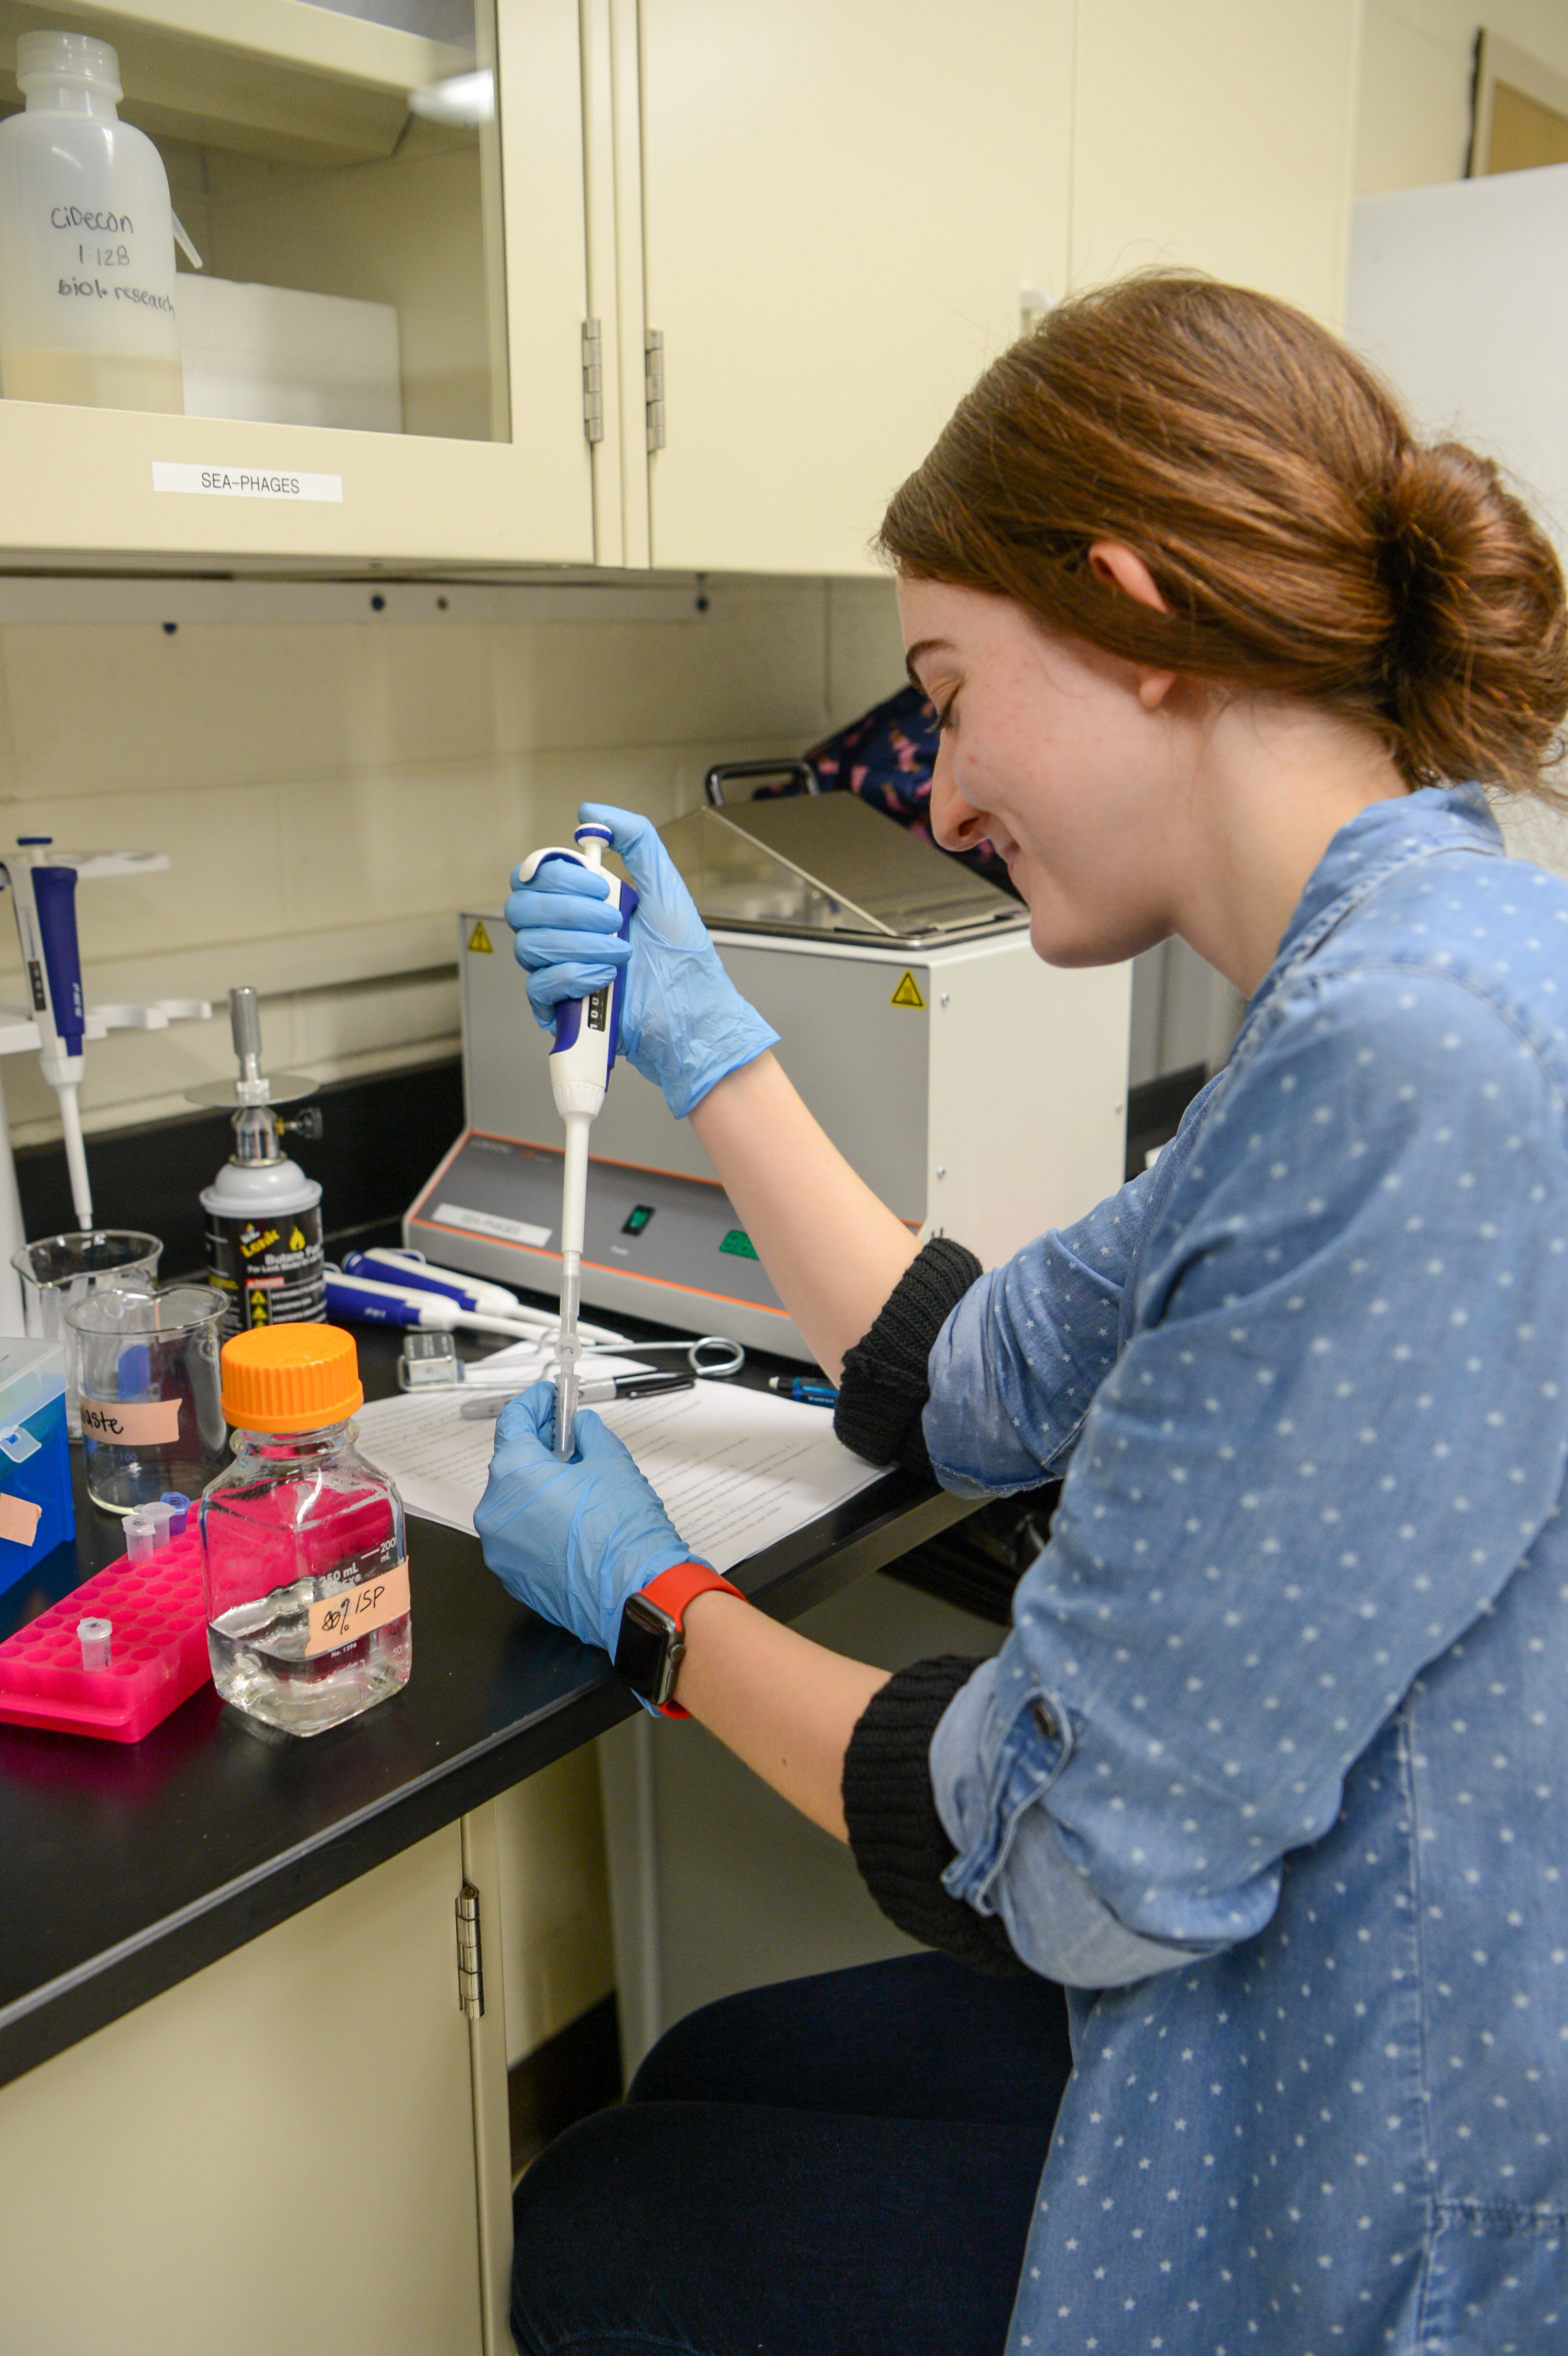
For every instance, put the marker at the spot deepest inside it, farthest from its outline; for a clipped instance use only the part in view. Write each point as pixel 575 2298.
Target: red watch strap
pixel 672 1590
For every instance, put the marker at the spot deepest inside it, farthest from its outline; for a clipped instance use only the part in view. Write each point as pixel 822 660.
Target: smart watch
pixel 651 1643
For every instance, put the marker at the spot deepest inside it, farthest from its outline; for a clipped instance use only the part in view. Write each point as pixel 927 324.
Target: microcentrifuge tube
pixel 96 1637
pixel 141 1537
pixel 161 1516
pixel 179 1505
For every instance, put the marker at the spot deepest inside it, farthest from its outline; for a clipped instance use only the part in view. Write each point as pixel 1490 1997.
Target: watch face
pixel 648 1649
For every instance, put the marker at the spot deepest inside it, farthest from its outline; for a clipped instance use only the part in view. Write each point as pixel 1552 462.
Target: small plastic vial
pixel 96 1638
pixel 304 1559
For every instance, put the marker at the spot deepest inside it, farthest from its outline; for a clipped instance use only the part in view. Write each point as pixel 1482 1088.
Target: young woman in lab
pixel 1270 1773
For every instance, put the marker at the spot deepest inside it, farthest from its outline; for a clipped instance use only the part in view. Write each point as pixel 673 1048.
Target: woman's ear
pixel 1123 568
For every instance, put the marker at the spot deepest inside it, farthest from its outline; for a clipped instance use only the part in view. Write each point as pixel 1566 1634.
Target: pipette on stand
pixel 45 899
pixel 581 1062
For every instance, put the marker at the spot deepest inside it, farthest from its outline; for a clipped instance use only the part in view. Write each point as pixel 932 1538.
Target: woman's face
pixel 1065 757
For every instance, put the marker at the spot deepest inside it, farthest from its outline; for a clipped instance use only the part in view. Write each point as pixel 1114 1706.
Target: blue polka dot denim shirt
pixel 1272 1770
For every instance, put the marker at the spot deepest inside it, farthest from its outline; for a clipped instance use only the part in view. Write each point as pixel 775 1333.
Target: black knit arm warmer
pixel 884 1387
pixel 898 1838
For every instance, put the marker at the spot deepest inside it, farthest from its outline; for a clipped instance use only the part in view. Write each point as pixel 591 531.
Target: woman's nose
pixel 955 821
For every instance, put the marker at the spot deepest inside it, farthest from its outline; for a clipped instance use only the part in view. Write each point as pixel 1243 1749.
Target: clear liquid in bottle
pixel 304 1553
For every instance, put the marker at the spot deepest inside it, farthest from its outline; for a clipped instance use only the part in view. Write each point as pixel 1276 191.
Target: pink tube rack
pixel 158 1655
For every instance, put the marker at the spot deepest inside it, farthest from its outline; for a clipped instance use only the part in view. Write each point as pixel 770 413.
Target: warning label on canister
pixel 271 1272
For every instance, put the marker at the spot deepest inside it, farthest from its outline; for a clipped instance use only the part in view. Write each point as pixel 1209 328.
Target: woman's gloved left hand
pixel 571 1541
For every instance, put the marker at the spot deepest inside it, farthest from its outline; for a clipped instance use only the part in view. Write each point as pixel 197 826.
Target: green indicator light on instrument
pixel 637 1220
pixel 739 1244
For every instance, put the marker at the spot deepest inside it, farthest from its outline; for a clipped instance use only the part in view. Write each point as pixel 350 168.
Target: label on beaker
pixel 373 1601
pixel 270 1271
pixel 132 1423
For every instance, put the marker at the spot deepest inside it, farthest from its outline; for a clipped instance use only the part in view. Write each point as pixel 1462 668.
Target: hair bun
pixel 1477 647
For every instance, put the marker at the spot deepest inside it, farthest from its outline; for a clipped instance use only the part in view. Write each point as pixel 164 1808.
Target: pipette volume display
pixel 587 1032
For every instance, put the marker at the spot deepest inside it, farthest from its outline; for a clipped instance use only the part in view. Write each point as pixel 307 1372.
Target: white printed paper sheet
pixel 735 1470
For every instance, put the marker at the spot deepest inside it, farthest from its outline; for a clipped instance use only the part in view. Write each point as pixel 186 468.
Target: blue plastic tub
pixel 36 1507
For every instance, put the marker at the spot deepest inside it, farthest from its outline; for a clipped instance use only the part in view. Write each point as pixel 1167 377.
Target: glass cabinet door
pixel 291 216
pixel 263 210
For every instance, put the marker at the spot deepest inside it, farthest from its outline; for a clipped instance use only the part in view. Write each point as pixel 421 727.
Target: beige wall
pixel 328 797
pixel 1413 121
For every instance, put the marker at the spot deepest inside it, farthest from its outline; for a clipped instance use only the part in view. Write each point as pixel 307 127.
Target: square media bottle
pixel 304 1562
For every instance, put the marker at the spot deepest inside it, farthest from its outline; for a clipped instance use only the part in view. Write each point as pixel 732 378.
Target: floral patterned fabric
pixel 887 757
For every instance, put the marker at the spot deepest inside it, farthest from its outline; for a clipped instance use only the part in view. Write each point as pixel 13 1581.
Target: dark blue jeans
pixel 842 2166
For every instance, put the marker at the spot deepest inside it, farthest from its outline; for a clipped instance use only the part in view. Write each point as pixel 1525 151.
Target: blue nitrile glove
pixel 684 1024
pixel 571 1541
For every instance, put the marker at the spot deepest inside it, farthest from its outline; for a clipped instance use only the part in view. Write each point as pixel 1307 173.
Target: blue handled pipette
pixel 374 1302
pixel 45 897
pixel 587 1031
pixel 385 1265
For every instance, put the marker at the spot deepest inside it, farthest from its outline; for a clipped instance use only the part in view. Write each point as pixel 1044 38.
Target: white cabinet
pixel 298 159
pixel 842 209
pixel 302 2146
pixel 1217 136
pixel 840 206
pixel 818 221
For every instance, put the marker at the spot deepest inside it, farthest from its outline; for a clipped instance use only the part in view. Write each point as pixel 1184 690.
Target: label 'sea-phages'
pixel 246 482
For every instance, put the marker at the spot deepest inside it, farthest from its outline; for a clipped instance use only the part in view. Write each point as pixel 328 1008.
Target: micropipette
pixel 384 1265
pixel 587 1031
pixel 44 895
pixel 394 1304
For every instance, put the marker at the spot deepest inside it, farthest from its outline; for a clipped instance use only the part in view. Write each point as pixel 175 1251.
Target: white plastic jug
pixel 86 256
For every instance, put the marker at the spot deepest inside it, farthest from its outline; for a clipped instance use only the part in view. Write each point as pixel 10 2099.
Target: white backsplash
pixel 330 794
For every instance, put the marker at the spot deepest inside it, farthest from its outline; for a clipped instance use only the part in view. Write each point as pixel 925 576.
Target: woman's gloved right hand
pixel 684 1024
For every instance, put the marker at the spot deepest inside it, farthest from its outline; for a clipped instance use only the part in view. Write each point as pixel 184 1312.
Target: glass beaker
pixel 147 1372
pixel 63 1269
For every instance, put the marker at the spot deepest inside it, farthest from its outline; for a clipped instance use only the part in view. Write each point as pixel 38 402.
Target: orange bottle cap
pixel 291 1378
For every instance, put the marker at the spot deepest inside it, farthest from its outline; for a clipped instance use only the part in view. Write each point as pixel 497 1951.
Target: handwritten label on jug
pixel 246 482
pixel 354 1612
pixel 132 1423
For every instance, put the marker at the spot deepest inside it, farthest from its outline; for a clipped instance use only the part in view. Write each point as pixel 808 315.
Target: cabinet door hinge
pixel 592 381
pixel 470 1961
pixel 653 380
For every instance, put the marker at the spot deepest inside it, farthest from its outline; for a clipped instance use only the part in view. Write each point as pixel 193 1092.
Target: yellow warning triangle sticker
pixel 480 939
pixel 907 994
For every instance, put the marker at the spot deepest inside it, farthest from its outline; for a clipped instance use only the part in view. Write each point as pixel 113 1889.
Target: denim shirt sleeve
pixel 1014 1367
pixel 1338 1423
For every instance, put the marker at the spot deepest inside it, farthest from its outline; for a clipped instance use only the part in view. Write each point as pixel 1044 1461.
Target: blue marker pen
pixel 806 1393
